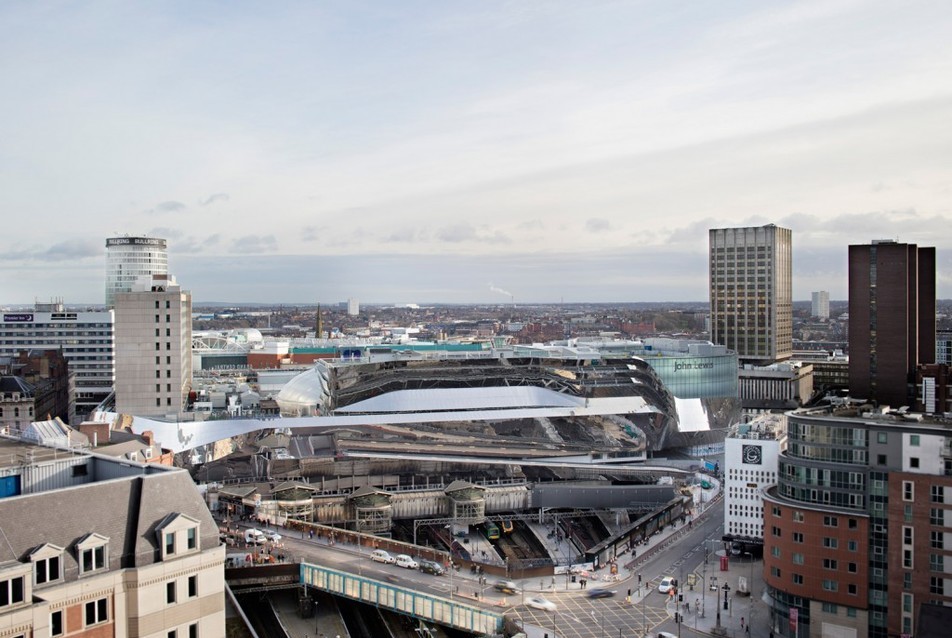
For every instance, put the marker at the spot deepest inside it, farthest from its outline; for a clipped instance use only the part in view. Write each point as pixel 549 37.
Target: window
pixel 881 437
pixel 851 568
pixel 906 535
pixel 880 459
pixel 938 494
pixel 831 521
pixel 798 559
pixel 93 559
pixel 830 585
pixel 46 570
pixel 936 516
pixel 829 608
pixel 167 304
pixel 12 591
pixel 914 440
pixel 96 611
pixel 937 585
pixel 775 551
pixel 776 511
pixel 193 631
pixel 852 546
pixel 829 541
pixel 907 490
pixel 936 540
pixel 913 461
pixel 172 634
pixel 907 603
pixel 157 318
pixel 852 523
pixel 192 586
pixel 907 559
pixel 798 579
pixel 170 592
pixel 776 531
pixel 936 562
pixel 851 612
pixel 170 543
pixel 851 589
pixel 797 537
pixel 797 517
pixel 829 563
pixel 57 627
pixel 907 581
pixel 191 535
pixel 775 572
pixel 156 304
pixel 80 470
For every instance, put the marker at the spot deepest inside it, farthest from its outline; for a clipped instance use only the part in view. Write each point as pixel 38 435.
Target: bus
pixel 491 530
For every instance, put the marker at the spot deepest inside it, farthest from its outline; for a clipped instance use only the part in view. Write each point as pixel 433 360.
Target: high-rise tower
pixel 751 288
pixel 153 347
pixel 892 319
pixel 128 258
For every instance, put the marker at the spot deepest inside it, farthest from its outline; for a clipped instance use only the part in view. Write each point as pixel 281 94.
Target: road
pixel 575 616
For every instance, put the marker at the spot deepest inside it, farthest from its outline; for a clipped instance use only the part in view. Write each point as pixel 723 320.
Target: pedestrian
pixel 697 605
pixel 628 597
pixel 639 580
pixel 741 622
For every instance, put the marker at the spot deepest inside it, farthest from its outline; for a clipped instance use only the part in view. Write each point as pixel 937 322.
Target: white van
pixel 405 560
pixel 254 536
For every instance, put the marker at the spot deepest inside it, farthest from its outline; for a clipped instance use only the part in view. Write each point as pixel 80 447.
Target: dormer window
pixel 92 554
pixel 178 535
pixel 14 586
pixel 47 564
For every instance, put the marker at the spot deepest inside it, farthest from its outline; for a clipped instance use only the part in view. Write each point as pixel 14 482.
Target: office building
pixel 751 291
pixel 751 454
pixel 858 529
pixel 153 347
pixel 943 348
pixel 128 258
pixel 775 388
pixel 36 384
pixel 85 338
pixel 892 319
pixel 820 307
pixel 353 307
pixel 95 546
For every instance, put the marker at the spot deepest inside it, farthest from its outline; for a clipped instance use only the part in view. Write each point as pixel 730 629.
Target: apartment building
pixel 100 547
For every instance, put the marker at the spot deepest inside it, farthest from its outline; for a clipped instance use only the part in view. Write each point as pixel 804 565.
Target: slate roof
pixel 16 384
pixel 126 510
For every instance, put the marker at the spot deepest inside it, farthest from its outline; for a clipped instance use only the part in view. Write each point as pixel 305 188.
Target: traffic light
pixel 680 598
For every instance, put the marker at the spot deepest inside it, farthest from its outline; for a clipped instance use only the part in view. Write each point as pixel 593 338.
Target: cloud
pixel 213 199
pixel 312 233
pixel 255 244
pixel 597 225
pixel 63 251
pixel 459 233
pixel 166 207
pixel 196 244
pixel 404 236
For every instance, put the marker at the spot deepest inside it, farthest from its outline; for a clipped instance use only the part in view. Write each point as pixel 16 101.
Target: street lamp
pixel 750 589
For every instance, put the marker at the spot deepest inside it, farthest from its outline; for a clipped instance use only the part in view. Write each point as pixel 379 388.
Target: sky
pixel 466 152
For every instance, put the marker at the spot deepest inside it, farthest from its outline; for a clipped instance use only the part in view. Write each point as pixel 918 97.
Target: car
pixel 254 536
pixel 538 602
pixel 600 592
pixel 666 584
pixel 274 537
pixel 382 556
pixel 431 567
pixel 506 587
pixel 405 561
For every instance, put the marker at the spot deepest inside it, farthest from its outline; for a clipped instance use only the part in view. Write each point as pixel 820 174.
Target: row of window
pixel 828 521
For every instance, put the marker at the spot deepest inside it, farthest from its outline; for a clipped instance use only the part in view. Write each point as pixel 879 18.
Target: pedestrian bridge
pixel 426 607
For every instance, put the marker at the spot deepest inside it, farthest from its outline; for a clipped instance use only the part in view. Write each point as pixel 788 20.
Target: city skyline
pixel 526 152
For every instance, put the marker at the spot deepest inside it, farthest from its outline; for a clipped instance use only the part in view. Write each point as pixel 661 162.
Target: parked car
pixel 382 556
pixel 254 536
pixel 666 584
pixel 272 536
pixel 506 587
pixel 599 592
pixel 538 602
pixel 431 567
pixel 404 560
